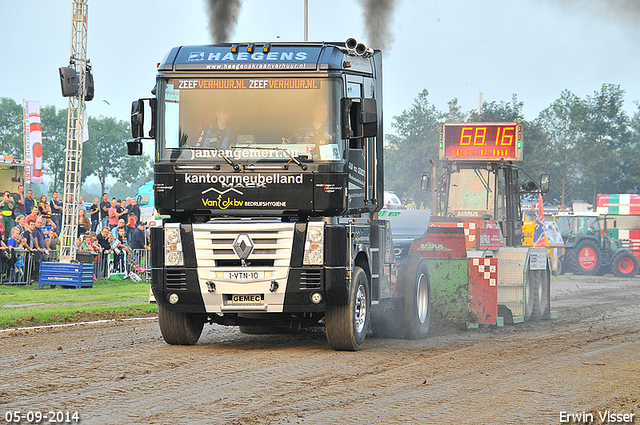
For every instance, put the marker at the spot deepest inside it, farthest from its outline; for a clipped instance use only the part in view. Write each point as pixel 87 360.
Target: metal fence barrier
pixel 21 267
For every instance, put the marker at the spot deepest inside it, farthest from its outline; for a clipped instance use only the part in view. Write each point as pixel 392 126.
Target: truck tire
pixel 541 293
pixel 585 258
pixel 346 325
pixel 624 264
pixel 417 301
pixel 180 328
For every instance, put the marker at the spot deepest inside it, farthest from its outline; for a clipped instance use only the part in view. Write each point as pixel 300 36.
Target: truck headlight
pixel 315 234
pixel 314 245
pixel 172 235
pixel 174 258
pixel 173 245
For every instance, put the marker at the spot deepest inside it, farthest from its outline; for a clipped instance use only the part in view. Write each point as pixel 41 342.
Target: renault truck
pixel 268 165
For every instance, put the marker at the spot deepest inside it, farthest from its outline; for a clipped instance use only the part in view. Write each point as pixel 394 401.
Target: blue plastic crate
pixel 78 275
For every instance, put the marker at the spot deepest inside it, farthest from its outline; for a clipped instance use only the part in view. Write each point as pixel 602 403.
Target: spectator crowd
pixel 33 226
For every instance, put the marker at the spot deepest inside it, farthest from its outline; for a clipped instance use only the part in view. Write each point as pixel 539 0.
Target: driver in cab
pixel 219 133
pixel 318 131
pixel 320 126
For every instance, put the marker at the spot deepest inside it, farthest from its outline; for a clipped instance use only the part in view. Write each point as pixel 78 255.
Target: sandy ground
pixel 587 361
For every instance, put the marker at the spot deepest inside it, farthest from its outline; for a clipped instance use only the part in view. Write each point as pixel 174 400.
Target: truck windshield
pixel 250 120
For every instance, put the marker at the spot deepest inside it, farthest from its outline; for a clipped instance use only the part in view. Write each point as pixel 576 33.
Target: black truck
pixel 269 164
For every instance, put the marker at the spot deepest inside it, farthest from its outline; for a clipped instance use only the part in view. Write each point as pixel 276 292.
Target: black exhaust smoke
pixel 378 15
pixel 223 17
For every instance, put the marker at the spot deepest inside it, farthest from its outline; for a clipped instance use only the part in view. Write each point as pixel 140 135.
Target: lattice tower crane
pixel 75 122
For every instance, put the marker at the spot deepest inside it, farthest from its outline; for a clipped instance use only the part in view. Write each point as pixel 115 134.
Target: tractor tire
pixel 346 325
pixel 417 301
pixel 529 295
pixel 561 267
pixel 180 328
pixel 624 264
pixel 541 294
pixel 585 258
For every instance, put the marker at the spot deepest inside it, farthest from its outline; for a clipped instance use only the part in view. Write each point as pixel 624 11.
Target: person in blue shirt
pixel 56 211
pixel 29 202
pixel 13 245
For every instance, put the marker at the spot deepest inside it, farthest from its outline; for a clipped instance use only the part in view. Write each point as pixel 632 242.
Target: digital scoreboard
pixel 478 141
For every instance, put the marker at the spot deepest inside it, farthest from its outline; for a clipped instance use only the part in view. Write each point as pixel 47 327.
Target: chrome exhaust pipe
pixel 363 50
pixel 351 45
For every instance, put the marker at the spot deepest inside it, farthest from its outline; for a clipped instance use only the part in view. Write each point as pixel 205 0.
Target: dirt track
pixel 587 360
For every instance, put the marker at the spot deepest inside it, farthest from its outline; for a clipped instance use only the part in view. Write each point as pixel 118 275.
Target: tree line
pixel 587 145
pixel 104 155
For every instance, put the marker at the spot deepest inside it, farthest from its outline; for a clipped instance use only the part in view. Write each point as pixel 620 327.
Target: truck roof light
pixel 234 48
pixel 266 48
pixel 250 48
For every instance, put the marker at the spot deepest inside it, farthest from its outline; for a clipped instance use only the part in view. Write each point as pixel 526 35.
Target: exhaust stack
pixel 357 49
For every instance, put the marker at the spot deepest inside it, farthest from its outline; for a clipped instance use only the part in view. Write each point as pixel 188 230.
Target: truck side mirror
pixel 137 119
pixel 359 118
pixel 425 182
pixel 544 183
pixel 369 118
pixel 347 125
pixel 134 147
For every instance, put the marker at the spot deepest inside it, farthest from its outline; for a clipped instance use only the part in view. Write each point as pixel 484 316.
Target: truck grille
pixel 310 279
pixel 176 280
pixel 272 244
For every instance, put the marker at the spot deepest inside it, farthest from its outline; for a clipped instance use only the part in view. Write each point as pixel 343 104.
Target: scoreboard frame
pixel 473 141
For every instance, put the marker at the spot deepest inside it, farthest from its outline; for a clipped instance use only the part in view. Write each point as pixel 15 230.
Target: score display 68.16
pixel 473 141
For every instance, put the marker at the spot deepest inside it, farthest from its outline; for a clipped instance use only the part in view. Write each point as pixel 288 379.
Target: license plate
pixel 243 276
pixel 248 299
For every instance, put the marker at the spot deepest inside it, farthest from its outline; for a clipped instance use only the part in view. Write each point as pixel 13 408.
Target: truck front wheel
pixel 180 328
pixel 346 325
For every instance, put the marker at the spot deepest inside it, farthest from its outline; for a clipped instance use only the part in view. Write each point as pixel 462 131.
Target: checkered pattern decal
pixel 488 268
pixel 469 231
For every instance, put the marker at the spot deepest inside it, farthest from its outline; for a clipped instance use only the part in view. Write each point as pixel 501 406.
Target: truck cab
pixel 269 167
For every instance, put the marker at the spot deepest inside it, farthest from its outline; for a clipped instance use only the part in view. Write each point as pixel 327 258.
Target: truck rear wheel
pixel 417 301
pixel 346 325
pixel 624 264
pixel 584 259
pixel 180 328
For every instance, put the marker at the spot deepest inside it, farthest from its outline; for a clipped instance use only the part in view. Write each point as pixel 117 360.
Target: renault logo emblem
pixel 243 245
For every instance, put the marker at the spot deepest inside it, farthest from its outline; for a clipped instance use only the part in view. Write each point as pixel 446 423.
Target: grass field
pixel 108 299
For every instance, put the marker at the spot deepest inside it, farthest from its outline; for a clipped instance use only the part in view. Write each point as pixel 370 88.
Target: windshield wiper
pixel 235 166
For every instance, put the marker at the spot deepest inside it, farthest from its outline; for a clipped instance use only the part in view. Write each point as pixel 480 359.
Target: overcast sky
pixel 453 48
